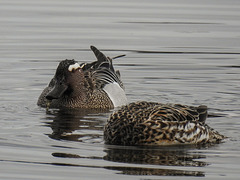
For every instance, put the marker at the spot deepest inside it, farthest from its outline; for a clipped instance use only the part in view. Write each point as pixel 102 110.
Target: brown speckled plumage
pixel 82 85
pixel 149 123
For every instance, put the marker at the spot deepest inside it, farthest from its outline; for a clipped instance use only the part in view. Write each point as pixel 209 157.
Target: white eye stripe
pixel 73 67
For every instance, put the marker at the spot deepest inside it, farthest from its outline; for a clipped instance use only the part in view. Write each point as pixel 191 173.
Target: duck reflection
pixel 166 156
pixel 87 126
pixel 71 124
pixel 157 172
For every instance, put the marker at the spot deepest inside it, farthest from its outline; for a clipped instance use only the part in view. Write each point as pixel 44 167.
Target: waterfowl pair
pixel 97 85
pixel 93 85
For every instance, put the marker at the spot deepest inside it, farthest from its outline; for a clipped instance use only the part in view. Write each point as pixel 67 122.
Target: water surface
pixel 176 52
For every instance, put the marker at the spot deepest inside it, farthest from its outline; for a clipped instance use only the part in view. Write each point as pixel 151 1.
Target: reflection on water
pixel 165 156
pixel 158 172
pixel 72 124
pixel 168 156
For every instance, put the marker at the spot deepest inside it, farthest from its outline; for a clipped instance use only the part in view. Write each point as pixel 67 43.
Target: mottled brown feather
pixel 149 123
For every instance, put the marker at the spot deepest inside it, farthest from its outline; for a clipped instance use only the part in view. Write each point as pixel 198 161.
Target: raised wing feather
pixel 101 71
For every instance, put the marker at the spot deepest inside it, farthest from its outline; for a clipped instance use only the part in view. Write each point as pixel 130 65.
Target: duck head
pixel 67 78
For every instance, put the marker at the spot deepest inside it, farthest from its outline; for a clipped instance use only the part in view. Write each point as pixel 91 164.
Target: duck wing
pixel 178 112
pixel 101 71
pixel 165 112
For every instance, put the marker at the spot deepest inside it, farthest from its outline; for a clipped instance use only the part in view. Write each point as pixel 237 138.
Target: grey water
pixel 178 51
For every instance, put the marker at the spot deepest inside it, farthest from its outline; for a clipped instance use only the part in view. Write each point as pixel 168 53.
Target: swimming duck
pixel 151 123
pixel 93 85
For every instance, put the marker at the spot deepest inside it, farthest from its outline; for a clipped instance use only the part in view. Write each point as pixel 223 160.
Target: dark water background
pixel 178 51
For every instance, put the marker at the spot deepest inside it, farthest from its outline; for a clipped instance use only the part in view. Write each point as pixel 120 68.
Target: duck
pixel 94 85
pixel 152 123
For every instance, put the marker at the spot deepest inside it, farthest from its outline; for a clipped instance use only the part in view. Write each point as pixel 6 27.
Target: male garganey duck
pixel 150 123
pixel 93 85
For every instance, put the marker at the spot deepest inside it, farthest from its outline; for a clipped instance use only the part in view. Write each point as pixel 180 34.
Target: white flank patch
pixel 198 131
pixel 116 94
pixel 189 126
pixel 73 67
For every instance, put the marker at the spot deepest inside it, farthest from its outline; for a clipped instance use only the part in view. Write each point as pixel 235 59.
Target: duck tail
pixel 215 136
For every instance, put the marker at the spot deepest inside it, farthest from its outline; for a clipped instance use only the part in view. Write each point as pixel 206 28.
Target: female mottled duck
pixel 150 123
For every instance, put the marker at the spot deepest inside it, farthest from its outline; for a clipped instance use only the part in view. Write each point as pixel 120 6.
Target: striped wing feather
pixel 101 72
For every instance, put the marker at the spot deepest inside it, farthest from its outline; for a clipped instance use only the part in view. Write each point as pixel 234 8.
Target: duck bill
pixel 57 91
